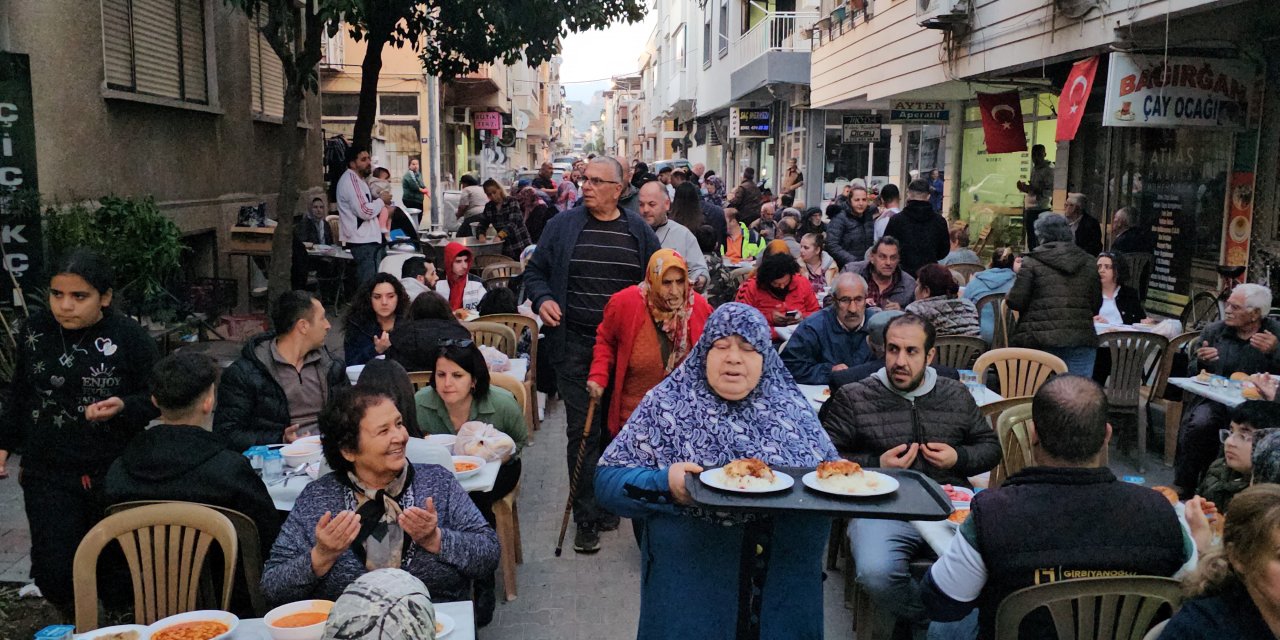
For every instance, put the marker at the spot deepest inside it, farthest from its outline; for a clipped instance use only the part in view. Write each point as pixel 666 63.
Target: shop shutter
pixel 117 44
pixel 266 72
pixel 156 47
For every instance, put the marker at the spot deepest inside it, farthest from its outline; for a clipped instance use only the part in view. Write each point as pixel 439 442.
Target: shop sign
pixel 1155 91
pixel 860 129
pixel 1239 219
pixel 20 234
pixel 487 120
pixel 918 112
pixel 749 123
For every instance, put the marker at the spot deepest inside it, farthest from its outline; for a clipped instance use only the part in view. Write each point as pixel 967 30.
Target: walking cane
pixel 577 471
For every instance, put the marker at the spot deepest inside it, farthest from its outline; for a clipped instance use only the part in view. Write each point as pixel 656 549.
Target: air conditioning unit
pixel 800 97
pixel 458 115
pixel 942 14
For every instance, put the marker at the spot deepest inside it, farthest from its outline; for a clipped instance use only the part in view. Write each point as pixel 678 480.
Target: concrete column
pixel 955 147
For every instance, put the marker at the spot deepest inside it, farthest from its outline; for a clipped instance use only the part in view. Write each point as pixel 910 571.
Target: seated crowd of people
pixel 684 382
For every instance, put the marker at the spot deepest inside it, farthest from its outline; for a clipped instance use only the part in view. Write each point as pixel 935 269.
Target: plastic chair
pixel 981 242
pixel 1015 443
pixel 1155 392
pixel 496 282
pixel 1020 371
pixel 251 559
pixel 335 228
pixel 506 516
pixel 506 269
pixel 485 260
pixel 493 335
pixel 393 263
pixel 419 379
pixel 519 324
pixel 1000 333
pixel 958 352
pixel 1135 356
pixel 1154 633
pixel 965 271
pixel 165 546
pixel 1140 266
pixel 1100 608
pixel 992 411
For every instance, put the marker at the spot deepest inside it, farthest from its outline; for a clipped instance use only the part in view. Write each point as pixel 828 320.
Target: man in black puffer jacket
pixel 282 379
pixel 921 232
pixel 1058 293
pixel 905 416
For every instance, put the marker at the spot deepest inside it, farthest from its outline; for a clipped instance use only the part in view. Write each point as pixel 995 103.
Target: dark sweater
pixel 921 233
pixel 1058 293
pixel 178 462
pixel 58 372
pixel 415 343
pixel 1230 615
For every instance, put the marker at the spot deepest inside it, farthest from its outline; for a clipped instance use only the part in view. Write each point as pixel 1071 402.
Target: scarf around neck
pixel 673 323
pixel 381 542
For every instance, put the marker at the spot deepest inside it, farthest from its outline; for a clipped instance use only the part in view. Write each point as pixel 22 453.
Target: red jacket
pixel 624 315
pixel 800 298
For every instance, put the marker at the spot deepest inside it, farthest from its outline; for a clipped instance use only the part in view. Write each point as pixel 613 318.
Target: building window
pixel 706 37
pixel 398 104
pixel 678 37
pixel 339 105
pixel 266 73
pixel 723 35
pixel 156 48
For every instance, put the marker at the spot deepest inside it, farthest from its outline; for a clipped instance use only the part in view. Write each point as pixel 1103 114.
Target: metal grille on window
pixel 155 47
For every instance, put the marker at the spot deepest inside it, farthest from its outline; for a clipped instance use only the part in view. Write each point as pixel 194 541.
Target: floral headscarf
pixel 683 420
pixel 385 604
pixel 673 322
pixel 716 198
pixel 528 200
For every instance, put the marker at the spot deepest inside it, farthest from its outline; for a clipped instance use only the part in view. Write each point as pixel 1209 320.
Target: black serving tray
pixel 918 498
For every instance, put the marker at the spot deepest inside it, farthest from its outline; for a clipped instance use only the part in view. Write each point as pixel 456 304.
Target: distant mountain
pixel 584 113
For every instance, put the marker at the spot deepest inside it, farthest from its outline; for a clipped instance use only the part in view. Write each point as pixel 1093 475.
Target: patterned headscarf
pixel 683 420
pixel 716 198
pixel 528 199
pixel 1266 456
pixel 387 604
pixel 674 323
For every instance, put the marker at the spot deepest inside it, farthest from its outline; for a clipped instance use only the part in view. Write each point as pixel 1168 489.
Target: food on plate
pixel 1240 375
pixel 120 635
pixel 1204 376
pixel 826 393
pixel 959 516
pixel 463 466
pixel 1250 392
pixel 197 630
pixel 439 628
pixel 461 314
pixel 845 477
pixel 956 495
pixel 748 473
pixel 303 619
pixel 1168 493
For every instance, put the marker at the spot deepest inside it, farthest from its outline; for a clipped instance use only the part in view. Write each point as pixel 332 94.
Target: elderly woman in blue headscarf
pixel 752 576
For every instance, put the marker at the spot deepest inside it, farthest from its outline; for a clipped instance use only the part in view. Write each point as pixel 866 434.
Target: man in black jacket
pixel 906 416
pixel 282 379
pixel 922 233
pixel 1095 524
pixel 1084 228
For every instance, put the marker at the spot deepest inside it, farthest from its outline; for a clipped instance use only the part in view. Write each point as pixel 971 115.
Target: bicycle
pixel 1206 307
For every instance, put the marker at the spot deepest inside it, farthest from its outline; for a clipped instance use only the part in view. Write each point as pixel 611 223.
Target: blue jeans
pixel 882 550
pixel 1079 359
pixel 367 257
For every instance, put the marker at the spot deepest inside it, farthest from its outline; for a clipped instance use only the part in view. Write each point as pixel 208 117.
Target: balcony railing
pixel 778 31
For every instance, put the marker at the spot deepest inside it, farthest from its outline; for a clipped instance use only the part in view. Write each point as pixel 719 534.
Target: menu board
pixel 1175 233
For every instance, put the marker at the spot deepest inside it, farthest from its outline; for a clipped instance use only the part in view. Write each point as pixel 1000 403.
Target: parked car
pixel 676 163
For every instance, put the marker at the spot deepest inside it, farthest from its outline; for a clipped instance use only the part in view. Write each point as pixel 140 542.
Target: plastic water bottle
pixel 272 465
pixel 56 632
pixel 255 455
pixel 1134 479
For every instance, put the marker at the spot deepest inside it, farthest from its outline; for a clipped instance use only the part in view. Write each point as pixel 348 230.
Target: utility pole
pixel 433 148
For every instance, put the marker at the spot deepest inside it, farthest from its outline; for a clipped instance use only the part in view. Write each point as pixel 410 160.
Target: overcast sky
pixel 596 55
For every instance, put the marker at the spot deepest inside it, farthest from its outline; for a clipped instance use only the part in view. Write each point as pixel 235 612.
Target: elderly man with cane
pixel 587 254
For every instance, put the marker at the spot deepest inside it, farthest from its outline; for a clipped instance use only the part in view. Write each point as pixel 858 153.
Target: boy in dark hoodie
pixel 182 459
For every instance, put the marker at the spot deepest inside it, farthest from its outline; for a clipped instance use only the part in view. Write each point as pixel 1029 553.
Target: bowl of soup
pixel 302 620
pixel 300 453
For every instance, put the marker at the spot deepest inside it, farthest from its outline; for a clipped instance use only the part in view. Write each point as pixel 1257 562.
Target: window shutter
pixel 194 70
pixel 266 72
pixel 117 44
pixel 156 51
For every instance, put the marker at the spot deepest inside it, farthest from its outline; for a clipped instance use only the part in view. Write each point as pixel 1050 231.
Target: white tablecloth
pixel 284 494
pixel 786 332
pixel 461 612
pixel 1229 396
pixel 814 392
pixel 519 368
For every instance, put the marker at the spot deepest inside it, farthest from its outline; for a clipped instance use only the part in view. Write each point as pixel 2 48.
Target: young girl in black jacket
pixel 79 395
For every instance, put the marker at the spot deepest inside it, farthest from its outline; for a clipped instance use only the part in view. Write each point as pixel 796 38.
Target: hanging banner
pixel 1155 91
pixel 860 129
pixel 20 235
pixel 1075 94
pixel 1235 245
pixel 1002 122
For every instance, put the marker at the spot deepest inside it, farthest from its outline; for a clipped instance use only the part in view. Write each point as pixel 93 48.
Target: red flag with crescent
pixel 1002 122
pixel 1074 96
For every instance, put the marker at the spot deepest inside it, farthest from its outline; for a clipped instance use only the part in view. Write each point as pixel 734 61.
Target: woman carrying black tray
pixel 751 576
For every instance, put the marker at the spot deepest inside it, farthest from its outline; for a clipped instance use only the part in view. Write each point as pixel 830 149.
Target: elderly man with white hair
pixel 1084 227
pixel 1242 342
pixel 833 339
pixel 1127 236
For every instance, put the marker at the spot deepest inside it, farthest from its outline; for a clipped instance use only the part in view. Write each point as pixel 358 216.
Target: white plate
pixel 441 439
pixel 715 479
pixel 820 396
pixel 480 462
pixel 447 624
pixel 143 632
pixel 224 617
pixel 888 484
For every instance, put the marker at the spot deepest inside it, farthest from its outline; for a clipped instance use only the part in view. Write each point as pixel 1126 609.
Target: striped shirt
pixel 605 261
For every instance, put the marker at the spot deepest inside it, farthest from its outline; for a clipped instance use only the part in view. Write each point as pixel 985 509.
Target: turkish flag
pixel 1074 96
pixel 1002 122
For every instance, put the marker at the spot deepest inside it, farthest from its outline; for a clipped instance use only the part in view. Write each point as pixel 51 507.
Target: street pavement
pixel 587 597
